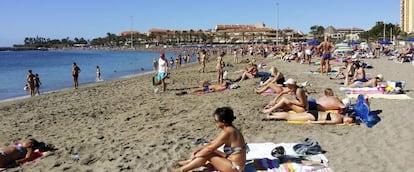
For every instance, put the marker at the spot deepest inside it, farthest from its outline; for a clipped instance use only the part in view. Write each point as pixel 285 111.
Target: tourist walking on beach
pixel 162 72
pixel 203 55
pixel 37 84
pixel 98 73
pixel 219 68
pixel 326 48
pixel 31 82
pixel 75 74
pixel 235 57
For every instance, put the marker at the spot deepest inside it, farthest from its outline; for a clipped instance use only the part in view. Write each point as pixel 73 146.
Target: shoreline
pixel 122 125
pixel 81 85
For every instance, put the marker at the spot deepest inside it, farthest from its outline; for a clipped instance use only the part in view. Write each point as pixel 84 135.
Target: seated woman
pixel 300 105
pixel 275 82
pixel 14 155
pixel 329 101
pixel 313 117
pixel 250 72
pixel 370 83
pixel 343 71
pixel 233 158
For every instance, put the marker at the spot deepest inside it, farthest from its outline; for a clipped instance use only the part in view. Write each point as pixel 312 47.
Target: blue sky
pixel 94 18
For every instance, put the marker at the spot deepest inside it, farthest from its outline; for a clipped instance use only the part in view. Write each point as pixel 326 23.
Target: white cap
pixel 379 76
pixel 290 81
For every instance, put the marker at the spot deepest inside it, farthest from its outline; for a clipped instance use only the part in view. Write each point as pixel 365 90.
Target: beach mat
pixel 383 96
pixel 304 122
pixel 259 159
pixel 318 73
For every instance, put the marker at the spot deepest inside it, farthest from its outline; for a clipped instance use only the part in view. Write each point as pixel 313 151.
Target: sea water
pixel 55 68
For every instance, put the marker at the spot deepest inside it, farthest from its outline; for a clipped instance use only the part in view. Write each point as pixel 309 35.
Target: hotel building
pixel 407 15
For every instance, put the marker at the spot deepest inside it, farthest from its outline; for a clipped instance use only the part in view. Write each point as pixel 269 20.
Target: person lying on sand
pixel 369 83
pixel 313 117
pixel 233 159
pixel 14 155
pixel 208 87
pixel 299 105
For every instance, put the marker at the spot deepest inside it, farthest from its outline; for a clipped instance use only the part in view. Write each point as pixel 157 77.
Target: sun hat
pixel 290 81
pixel 379 76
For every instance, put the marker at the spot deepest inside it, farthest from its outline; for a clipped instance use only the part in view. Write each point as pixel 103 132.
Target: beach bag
pixel 308 147
pixel 363 113
pixel 396 86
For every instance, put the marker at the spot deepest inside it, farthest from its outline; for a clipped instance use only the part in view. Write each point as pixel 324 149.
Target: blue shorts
pixel 326 56
pixel 161 75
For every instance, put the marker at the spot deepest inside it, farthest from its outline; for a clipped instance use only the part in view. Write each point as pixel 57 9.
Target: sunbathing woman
pixel 370 83
pixel 250 72
pixel 15 155
pixel 300 105
pixel 275 82
pixel 233 158
pixel 313 117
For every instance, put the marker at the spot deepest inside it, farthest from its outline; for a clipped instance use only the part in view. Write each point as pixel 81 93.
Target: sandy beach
pixel 123 126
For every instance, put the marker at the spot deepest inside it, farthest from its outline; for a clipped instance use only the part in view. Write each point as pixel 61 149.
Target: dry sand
pixel 123 126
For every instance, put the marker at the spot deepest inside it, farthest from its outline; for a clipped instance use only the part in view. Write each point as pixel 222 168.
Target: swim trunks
pixel 161 75
pixel 326 56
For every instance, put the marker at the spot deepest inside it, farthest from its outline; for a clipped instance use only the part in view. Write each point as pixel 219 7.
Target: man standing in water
pixel 75 74
pixel 31 82
pixel 326 47
pixel 98 73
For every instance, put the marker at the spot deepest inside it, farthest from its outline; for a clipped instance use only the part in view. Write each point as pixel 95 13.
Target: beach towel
pixel 383 96
pixel 364 90
pixel 259 158
pixel 269 92
pixel 37 156
pixel 318 73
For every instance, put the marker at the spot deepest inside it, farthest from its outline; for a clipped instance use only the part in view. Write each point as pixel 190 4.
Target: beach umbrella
pixel 410 39
pixel 353 43
pixel 385 42
pixel 313 42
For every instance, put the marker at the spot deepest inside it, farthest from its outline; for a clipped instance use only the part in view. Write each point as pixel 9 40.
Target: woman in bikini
pixel 313 117
pixel 300 105
pixel 14 155
pixel 233 158
pixel 275 82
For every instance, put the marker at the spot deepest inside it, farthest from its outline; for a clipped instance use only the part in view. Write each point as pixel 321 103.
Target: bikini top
pixel 230 150
pixel 22 151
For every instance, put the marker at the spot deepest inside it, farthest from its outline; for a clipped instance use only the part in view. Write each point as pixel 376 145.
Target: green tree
pixel 317 31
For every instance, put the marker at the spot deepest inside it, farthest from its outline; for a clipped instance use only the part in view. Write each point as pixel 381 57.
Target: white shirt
pixel 162 65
